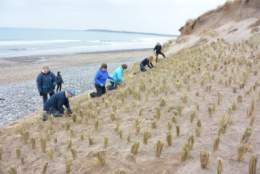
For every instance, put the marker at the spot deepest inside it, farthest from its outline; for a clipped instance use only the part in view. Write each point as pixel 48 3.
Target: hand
pixel 69 112
pixel 41 94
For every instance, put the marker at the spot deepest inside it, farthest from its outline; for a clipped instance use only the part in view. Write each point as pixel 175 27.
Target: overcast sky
pixel 161 16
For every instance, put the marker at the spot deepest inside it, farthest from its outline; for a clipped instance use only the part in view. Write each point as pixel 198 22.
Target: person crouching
pixel 55 104
pixel 100 81
pixel 146 62
pixel 117 77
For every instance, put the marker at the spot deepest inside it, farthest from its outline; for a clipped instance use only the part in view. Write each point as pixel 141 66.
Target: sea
pixel 20 42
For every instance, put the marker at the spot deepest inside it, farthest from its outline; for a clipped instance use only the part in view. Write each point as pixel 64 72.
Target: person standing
pixel 117 77
pixel 158 51
pixel 55 104
pixel 46 82
pixel 146 62
pixel 100 81
pixel 59 82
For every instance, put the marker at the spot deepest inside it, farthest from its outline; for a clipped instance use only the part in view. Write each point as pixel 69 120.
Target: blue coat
pixel 56 102
pixel 46 83
pixel 101 78
pixel 118 75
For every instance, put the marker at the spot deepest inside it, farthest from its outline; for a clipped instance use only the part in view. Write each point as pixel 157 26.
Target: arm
pixel 54 80
pixel 39 84
pixel 67 105
pixel 150 65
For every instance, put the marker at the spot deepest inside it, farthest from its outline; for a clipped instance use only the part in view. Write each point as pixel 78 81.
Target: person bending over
pixel 158 51
pixel 59 82
pixel 100 81
pixel 117 77
pixel 146 62
pixel 46 82
pixel 55 104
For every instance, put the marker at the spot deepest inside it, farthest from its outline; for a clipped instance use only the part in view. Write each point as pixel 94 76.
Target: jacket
pixel 56 102
pixel 59 79
pixel 118 75
pixel 46 82
pixel 101 77
pixel 146 62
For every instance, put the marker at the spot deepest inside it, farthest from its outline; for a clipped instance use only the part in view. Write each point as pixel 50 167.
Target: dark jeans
pixel 59 86
pixel 112 86
pixel 100 91
pixel 51 111
pixel 45 97
pixel 142 68
pixel 159 53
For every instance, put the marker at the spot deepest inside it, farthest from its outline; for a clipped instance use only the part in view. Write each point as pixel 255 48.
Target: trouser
pixel 142 68
pixel 100 91
pixel 159 53
pixel 112 86
pixel 51 111
pixel 59 86
pixel 45 97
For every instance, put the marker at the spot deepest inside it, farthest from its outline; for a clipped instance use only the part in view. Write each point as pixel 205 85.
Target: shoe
pixel 44 116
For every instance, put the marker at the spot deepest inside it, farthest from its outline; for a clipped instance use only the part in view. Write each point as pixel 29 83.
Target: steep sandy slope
pixel 232 11
pixel 208 92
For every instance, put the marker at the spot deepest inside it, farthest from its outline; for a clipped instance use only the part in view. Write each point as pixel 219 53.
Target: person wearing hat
pixel 146 62
pixel 46 82
pixel 117 77
pixel 55 104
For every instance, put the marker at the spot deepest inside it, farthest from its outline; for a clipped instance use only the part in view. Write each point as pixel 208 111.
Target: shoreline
pixel 19 69
pixel 20 94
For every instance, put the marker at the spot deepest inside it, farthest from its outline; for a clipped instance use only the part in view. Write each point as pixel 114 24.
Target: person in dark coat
pixel 146 62
pixel 55 104
pixel 59 81
pixel 100 81
pixel 46 82
pixel 158 51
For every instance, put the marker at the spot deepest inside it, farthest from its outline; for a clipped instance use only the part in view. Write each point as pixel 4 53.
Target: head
pixel 124 66
pixel 103 67
pixel 70 93
pixel 45 69
pixel 58 73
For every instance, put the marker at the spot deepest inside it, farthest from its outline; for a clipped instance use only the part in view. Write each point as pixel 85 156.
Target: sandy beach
pixel 17 81
pixel 19 69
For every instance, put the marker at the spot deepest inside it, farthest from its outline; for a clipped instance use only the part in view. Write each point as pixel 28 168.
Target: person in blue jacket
pixel 117 77
pixel 46 82
pixel 100 81
pixel 55 104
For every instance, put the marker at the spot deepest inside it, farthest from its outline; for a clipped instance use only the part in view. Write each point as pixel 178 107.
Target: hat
pixel 71 91
pixel 124 66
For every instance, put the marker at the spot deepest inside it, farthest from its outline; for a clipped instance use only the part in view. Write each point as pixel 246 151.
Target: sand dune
pixel 196 112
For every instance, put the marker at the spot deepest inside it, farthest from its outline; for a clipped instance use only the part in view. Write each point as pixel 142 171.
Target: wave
pixel 34 42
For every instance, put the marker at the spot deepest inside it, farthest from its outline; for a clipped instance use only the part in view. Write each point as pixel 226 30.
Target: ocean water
pixel 16 42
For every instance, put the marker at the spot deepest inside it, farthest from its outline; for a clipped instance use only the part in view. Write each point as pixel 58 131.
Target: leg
pixel 44 98
pixel 99 90
pixel 60 86
pixel 103 90
pixel 142 68
pixel 45 116
pixel 161 53
pixel 156 57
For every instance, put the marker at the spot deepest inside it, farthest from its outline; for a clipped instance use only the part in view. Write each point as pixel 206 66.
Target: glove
pixel 41 93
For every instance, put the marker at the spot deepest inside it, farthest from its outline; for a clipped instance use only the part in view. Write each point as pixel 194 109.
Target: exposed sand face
pixel 198 84
pixel 26 68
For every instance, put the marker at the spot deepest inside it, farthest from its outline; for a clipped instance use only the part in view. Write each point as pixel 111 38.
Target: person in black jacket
pixel 55 104
pixel 46 82
pixel 146 62
pixel 158 51
pixel 59 81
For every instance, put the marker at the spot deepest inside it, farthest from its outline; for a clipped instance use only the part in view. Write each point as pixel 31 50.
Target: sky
pixel 158 16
